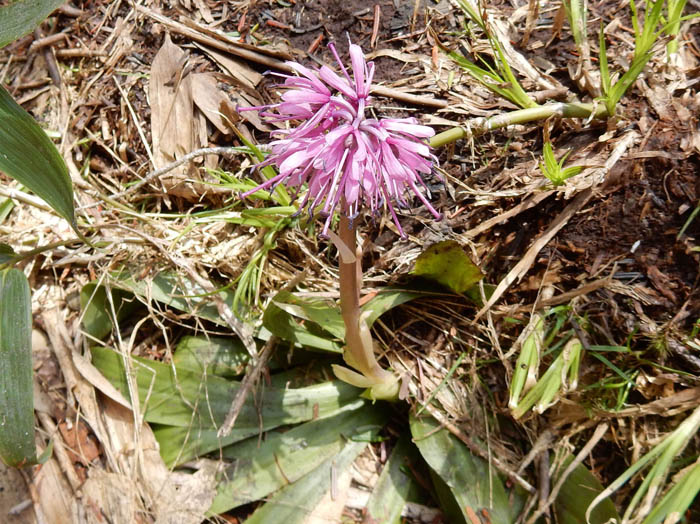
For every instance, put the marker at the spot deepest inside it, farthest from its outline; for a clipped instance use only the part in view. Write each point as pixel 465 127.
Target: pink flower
pixel 348 160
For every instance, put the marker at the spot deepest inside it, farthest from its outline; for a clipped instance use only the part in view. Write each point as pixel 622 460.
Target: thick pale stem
pixel 478 126
pixel 359 352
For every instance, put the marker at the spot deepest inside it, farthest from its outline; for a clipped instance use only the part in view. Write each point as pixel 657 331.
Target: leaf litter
pixel 608 241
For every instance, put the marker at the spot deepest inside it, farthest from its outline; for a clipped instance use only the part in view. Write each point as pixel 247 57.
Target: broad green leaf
pixel 198 403
pixel 28 155
pixel 323 313
pixel 294 503
pixel 447 502
pixel 22 16
pixel 171 289
pixel 386 300
pixel 473 484
pixel 394 486
pixel 320 316
pixel 576 494
pixel 16 390
pixel 259 469
pixel 447 264
pixel 97 310
pixel 283 324
pixel 225 357
pixel 6 253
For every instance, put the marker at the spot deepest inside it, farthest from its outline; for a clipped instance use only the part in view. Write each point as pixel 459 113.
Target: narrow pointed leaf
pixel 394 486
pixel 16 393
pixel 22 16
pixel 28 155
pixel 474 485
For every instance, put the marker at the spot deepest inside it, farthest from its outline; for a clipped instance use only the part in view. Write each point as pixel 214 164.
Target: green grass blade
pixel 16 390
pixel 22 16
pixel 394 486
pixel 28 155
pixel 678 498
pixel 259 469
pixel 473 484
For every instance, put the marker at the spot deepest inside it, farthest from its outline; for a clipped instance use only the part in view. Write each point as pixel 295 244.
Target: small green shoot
pixel 562 374
pixel 528 363
pixel 555 171
pixel 646 34
pixel 500 80
pixel 674 11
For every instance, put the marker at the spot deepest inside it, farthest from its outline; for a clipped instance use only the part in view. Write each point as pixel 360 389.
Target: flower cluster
pixel 346 158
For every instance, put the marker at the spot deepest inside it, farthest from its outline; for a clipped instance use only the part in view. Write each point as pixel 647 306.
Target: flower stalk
pixel 359 348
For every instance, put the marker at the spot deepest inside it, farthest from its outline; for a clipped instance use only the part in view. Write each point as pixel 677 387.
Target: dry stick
pixel 161 171
pixel 48 56
pixel 597 435
pixel 253 372
pixel 247 385
pixel 477 449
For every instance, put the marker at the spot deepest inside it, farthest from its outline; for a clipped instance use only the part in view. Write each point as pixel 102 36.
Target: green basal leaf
pixel 394 486
pixel 576 494
pixel 472 482
pixel 386 300
pixel 171 289
pixel 294 503
pixel 16 389
pixel 198 403
pixel 22 16
pixel 96 308
pixel 283 324
pixel 324 313
pixel 323 326
pixel 261 468
pixel 225 357
pixel 447 264
pixel 28 155
pixel 6 253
